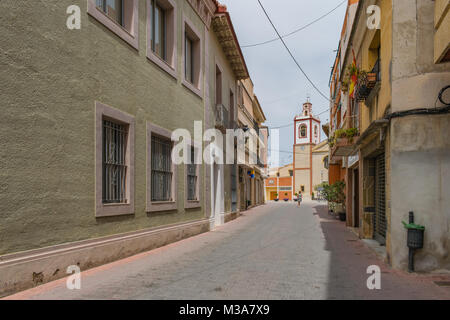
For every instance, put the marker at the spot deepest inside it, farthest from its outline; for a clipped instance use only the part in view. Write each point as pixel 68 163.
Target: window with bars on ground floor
pixel 192 178
pixel 114 162
pixel 161 163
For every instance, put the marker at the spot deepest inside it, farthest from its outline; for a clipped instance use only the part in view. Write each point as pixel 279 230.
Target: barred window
pixel 192 178
pixel 114 165
pixel 161 179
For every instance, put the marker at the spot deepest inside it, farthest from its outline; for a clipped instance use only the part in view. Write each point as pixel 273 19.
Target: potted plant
pixel 331 141
pixel 286 199
pixel 340 133
pixel 276 199
pixel 350 133
pixel 339 198
pixel 328 196
pixel 344 85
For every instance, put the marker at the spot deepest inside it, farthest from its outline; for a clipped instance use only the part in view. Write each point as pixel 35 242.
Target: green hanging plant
pixel 352 132
pixel 340 133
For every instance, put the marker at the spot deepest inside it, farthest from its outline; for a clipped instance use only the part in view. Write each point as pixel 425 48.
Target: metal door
pixel 380 199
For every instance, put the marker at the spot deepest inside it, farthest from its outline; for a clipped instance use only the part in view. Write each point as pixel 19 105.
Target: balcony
pixel 344 147
pixel 343 142
pixel 369 85
pixel 222 121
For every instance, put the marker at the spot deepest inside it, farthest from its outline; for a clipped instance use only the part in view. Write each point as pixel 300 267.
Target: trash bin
pixel 415 238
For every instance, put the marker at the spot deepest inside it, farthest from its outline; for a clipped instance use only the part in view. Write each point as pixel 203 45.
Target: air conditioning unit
pixel 221 117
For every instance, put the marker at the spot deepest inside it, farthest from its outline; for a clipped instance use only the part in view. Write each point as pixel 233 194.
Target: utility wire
pixel 288 152
pixel 291 124
pixel 290 53
pixel 295 31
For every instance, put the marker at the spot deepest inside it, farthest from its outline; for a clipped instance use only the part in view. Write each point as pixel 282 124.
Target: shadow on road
pixel 349 259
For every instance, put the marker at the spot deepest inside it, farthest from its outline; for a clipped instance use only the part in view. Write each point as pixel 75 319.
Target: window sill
pixel 162 206
pixel 191 204
pixel 162 64
pixel 121 32
pixel 112 210
pixel 192 88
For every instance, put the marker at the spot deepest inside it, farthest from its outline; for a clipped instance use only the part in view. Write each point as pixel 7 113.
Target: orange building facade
pixel 278 186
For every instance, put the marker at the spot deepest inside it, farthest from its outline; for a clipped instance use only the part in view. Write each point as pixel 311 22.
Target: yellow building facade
pixel 398 159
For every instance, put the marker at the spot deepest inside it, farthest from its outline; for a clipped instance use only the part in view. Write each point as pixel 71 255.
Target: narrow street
pixel 276 251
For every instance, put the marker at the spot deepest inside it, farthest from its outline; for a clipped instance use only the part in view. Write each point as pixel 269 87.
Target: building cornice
pixel 205 9
pixel 223 27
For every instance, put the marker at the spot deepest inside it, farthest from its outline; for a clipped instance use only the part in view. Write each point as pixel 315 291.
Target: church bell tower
pixel 306 137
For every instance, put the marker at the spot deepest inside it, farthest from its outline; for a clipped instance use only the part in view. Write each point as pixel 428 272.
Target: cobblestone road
pixel 276 251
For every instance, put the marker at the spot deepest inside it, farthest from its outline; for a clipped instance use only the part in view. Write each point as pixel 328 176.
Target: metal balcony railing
pixel 377 70
pixel 367 84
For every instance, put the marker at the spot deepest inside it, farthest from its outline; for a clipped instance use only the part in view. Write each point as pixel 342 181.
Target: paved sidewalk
pixel 276 251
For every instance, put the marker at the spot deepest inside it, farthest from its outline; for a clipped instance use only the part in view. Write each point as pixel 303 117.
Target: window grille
pixel 161 188
pixel 192 177
pixel 114 165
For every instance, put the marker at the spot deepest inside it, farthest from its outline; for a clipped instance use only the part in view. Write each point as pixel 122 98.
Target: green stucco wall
pixel 50 78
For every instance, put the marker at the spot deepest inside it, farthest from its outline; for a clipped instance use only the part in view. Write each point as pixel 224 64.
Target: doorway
pixel 355 204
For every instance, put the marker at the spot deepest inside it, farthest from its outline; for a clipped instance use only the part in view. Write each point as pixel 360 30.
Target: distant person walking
pixel 299 198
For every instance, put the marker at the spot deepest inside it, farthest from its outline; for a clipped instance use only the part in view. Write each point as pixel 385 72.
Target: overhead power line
pixel 290 53
pixel 292 123
pixel 295 31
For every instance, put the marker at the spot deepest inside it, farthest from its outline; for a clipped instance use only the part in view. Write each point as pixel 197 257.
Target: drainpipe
pixel 411 250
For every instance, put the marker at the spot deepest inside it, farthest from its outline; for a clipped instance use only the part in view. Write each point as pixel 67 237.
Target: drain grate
pixel 442 283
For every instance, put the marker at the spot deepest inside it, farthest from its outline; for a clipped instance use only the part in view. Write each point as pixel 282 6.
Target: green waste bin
pixel 415 235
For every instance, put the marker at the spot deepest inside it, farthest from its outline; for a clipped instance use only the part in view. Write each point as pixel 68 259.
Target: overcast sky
pixel 279 84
